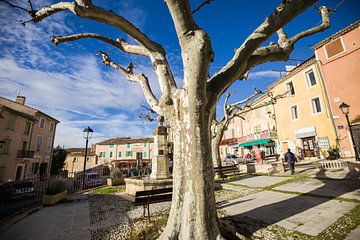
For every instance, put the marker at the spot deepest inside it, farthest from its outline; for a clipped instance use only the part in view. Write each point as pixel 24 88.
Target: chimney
pixel 20 99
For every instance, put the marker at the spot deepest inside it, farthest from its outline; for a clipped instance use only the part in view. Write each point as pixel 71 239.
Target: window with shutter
pixel 11 121
pixel 333 48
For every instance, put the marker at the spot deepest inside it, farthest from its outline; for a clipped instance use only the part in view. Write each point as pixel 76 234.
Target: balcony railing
pixel 25 154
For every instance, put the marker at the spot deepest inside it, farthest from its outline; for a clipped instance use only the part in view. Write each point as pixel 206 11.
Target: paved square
pixel 309 215
pixel 260 181
pixel 334 188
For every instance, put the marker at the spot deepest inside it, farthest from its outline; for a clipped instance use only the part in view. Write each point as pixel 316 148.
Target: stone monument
pixel 159 177
pixel 160 162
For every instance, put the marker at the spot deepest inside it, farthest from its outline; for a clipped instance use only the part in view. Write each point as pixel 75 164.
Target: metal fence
pixel 19 196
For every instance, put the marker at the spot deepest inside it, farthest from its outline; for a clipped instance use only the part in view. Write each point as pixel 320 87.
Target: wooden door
pixel 309 146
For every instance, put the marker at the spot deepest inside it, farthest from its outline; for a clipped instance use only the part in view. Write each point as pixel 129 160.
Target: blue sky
pixel 70 83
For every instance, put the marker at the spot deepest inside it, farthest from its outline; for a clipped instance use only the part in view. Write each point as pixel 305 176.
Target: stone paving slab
pixel 61 222
pixel 309 215
pixel 260 181
pixel 354 234
pixel 333 188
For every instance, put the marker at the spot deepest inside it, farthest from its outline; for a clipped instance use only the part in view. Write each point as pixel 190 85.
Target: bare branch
pixel 14 6
pixel 282 50
pixel 201 5
pixel 132 77
pixel 237 66
pixel 85 9
pixel 118 43
pixel 325 16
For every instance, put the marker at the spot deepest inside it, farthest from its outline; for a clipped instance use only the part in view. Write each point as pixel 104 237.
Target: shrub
pixel 56 186
pixel 116 173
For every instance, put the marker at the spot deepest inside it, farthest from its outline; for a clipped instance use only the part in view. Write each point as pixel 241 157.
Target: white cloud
pixel 69 83
pixel 263 74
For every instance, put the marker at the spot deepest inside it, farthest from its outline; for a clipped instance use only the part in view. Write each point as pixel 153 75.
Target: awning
pixel 257 142
pixel 305 132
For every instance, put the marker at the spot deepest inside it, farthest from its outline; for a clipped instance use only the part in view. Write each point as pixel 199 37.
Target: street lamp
pixel 345 110
pixel 87 134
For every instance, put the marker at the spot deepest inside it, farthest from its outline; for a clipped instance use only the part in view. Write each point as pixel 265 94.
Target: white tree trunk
pixel 193 212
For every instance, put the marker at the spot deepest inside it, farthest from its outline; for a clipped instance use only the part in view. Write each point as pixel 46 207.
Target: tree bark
pixel 215 143
pixel 193 212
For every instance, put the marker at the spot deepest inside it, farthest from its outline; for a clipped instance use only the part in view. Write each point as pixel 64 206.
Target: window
pixel 311 81
pixel 96 160
pixel 257 129
pixel 334 48
pixel 27 128
pixel 145 144
pixel 42 122
pixel 111 145
pixel 316 106
pixel 127 153
pixel 161 152
pixel 74 159
pixel 52 126
pixel 119 154
pixel 233 133
pixel 39 139
pixel 144 154
pixel 11 121
pixel 294 113
pixel 49 145
pixel 6 146
pixel 102 154
pixel 110 154
pixel 128 145
pixel 34 168
pixel 290 88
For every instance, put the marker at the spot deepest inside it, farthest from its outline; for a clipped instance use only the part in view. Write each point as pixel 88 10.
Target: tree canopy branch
pixel 237 66
pixel 118 43
pixel 132 77
pixel 86 9
pixel 201 5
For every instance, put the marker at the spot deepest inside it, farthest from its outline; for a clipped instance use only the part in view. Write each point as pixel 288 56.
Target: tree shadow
pixel 275 212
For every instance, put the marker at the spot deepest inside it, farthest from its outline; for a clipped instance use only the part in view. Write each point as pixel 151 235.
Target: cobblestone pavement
pixel 249 207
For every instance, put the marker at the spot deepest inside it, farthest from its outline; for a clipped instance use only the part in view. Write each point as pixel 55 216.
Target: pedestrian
pixel 290 159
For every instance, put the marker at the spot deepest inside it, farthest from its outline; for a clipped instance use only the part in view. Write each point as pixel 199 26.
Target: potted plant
pixel 116 177
pixel 55 192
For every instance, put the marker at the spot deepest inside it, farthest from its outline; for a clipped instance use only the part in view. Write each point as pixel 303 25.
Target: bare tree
pixel 231 111
pixel 189 110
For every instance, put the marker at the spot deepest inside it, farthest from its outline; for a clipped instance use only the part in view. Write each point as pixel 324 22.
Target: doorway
pixel 309 146
pixel 19 173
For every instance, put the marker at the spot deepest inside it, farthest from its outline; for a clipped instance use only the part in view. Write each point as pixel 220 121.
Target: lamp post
pixel 87 134
pixel 345 110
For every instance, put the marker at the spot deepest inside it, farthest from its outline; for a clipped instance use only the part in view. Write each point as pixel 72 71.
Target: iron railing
pixel 25 154
pixel 19 196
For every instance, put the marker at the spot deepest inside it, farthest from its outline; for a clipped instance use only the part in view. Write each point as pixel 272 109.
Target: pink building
pixel 339 59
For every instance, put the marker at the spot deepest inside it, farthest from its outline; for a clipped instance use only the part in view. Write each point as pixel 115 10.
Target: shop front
pixel 306 136
pixel 260 145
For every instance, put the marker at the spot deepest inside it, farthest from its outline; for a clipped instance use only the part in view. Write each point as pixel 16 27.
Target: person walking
pixel 290 159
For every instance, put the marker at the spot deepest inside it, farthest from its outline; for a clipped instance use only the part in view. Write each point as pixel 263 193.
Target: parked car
pixel 233 160
pixel 17 190
pixel 92 180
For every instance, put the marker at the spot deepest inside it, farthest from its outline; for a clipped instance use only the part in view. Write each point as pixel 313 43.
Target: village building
pixel 254 133
pixel 74 161
pixel 304 117
pixel 26 140
pixel 338 57
pixel 125 152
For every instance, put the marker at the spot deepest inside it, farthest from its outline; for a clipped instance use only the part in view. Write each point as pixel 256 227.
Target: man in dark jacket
pixel 290 159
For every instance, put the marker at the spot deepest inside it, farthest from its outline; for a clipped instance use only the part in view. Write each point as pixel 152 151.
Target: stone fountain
pixel 160 176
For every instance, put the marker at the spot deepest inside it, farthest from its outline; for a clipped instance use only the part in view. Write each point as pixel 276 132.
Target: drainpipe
pixel 52 148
